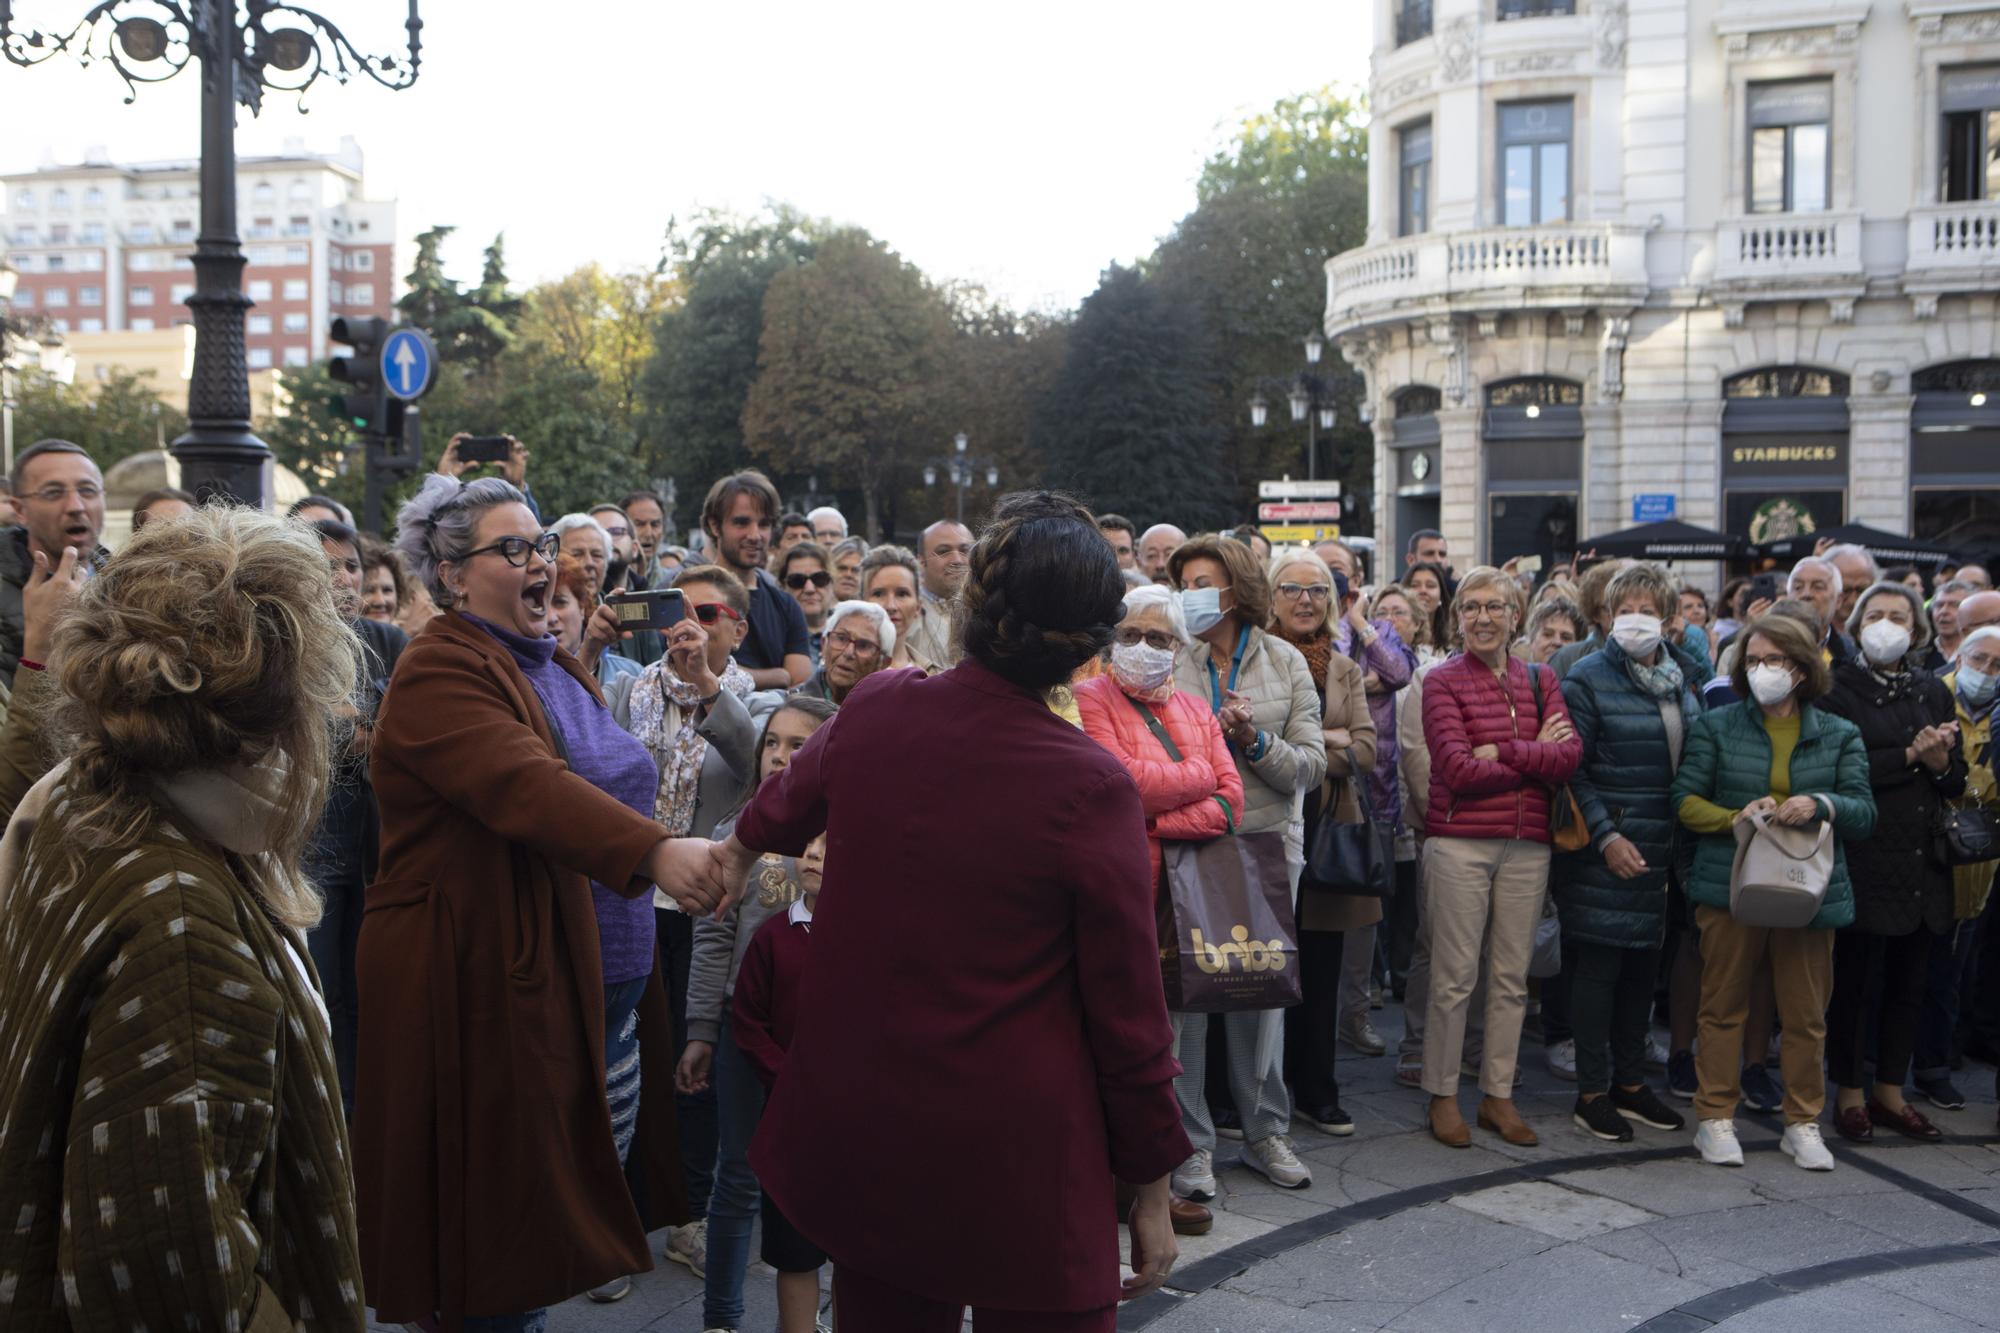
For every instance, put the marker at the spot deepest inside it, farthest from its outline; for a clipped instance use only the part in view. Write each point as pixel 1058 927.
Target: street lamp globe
pixel 1300 401
pixel 958 442
pixel 287 49
pixel 1327 416
pixel 992 476
pixel 930 476
pixel 143 39
pixel 1260 411
pixel 1315 346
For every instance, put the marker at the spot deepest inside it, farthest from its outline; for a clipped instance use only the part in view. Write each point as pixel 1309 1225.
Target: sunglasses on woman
pixel 798 582
pixel 710 612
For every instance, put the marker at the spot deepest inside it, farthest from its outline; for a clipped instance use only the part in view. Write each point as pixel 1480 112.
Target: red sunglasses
pixel 708 612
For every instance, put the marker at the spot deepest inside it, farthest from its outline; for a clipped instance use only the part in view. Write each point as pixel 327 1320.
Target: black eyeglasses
pixel 514 550
pixel 798 582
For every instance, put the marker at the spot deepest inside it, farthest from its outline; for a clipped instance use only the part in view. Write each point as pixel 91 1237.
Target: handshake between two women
pixel 704 878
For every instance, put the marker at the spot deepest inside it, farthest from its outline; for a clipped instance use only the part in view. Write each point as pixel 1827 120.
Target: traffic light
pixel 365 404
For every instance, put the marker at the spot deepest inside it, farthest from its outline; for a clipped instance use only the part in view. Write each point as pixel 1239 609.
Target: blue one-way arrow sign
pixel 409 359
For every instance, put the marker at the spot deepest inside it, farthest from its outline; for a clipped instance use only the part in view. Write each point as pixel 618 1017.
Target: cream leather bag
pixel 1781 872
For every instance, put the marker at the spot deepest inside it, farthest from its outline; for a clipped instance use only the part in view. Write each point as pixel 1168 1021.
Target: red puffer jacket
pixel 1184 801
pixel 1465 707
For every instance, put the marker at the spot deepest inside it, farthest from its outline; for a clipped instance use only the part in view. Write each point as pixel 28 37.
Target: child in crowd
pixel 766 1010
pixel 774 886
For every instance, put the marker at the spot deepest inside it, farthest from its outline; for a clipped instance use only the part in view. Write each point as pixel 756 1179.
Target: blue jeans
pixel 621 1059
pixel 733 1198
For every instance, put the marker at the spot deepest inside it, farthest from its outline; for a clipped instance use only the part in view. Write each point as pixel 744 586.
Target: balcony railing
pixel 1955 239
pixel 1534 9
pixel 1499 268
pixel 1788 247
pixel 1413 21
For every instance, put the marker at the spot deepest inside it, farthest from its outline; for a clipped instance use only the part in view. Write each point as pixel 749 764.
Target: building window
pixel 1791 165
pixel 259 358
pixel 24 299
pixel 298 356
pixel 59 325
pixel 24 236
pixel 1534 9
pixel 263 229
pixel 183 228
pixel 90 296
pixel 58 198
pixel 260 289
pixel 298 254
pixel 142 326
pixel 92 325
pixel 258 325
pixel 295 289
pixel 300 192
pixel 1970 99
pixel 1786 382
pixel 182 291
pixel 335 259
pixel 141 295
pixel 24 198
pixel 262 256
pixel 298 226
pixel 361 293
pixel 92 233
pixel 362 261
pixel 295 322
pixel 56 297
pixel 91 261
pixel 57 263
pixel 141 232
pixel 1413 21
pixel 263 194
pixel 59 233
pixel 93 198
pixel 1413 150
pixel 1534 162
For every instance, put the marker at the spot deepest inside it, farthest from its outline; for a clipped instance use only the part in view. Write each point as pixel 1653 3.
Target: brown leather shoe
pixel 1448 1124
pixel 1909 1122
pixel 1190 1218
pixel 1498 1114
pixel 1852 1124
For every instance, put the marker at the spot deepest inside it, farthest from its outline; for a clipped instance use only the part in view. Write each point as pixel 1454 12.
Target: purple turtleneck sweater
pixel 604 755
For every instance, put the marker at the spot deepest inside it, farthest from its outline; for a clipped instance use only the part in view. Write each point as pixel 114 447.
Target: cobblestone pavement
pixel 1398 1232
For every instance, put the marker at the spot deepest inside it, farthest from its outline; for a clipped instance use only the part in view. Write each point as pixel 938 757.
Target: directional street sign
pixel 1300 533
pixel 1289 489
pixel 1652 508
pixel 409 359
pixel 1301 512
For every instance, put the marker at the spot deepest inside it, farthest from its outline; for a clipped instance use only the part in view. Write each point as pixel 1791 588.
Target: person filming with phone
pixel 505 942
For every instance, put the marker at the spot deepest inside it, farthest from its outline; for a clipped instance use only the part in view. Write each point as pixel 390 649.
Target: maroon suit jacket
pixel 982 1037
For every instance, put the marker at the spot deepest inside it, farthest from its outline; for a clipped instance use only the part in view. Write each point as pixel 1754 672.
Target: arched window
pixel 1534 391
pixel 1418 400
pixel 1533 433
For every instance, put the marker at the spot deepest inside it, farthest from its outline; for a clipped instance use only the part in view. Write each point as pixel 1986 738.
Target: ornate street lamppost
pixel 244 48
pixel 962 471
pixel 1311 400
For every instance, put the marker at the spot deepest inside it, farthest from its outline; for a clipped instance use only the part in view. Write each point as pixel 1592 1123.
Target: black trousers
pixel 698 1125
pixel 1401 932
pixel 1879 977
pixel 1312 1027
pixel 1610 1005
pixel 340 862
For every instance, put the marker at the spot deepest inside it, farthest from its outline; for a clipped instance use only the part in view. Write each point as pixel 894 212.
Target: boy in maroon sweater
pixel 767 1010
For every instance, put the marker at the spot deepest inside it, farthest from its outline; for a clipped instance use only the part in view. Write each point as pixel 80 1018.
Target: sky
pixel 1023 146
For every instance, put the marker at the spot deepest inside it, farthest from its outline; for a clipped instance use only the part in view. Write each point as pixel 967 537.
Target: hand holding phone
pixel 652 608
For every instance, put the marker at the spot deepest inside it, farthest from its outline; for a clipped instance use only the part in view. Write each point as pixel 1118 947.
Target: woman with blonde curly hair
pixel 165 1030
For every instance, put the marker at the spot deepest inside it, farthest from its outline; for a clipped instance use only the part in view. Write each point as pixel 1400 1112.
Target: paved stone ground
pixel 1398 1232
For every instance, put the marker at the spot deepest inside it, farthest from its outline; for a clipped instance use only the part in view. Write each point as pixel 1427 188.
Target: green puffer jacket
pixel 1727 760
pixel 1622 790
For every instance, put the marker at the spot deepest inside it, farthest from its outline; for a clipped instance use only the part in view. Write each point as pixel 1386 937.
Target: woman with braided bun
pixel 989 974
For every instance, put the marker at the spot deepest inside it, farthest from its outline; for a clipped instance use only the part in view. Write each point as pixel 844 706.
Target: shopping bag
pixel 1228 939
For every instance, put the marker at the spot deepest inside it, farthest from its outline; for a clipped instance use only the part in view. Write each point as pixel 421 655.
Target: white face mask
pixel 1141 666
pixel 1885 642
pixel 1637 634
pixel 1772 685
pixel 1203 609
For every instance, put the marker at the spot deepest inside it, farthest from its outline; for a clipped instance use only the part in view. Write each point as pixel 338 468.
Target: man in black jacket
pixel 58 496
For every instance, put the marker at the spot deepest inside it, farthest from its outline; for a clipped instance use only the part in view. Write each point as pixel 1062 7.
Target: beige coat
pixel 1285 706
pixel 1346 705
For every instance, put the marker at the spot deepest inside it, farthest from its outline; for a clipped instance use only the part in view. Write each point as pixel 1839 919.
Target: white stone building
pixel 1740 253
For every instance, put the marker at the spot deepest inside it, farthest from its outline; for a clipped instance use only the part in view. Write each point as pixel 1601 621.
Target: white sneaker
pixel 617 1289
pixel 689 1245
pixel 1716 1141
pixel 1562 1061
pixel 1656 1051
pixel 1803 1145
pixel 1274 1159
pixel 1195 1178
pixel 1359 1033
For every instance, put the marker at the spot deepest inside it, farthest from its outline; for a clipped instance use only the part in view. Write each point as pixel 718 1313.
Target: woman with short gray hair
pixel 860 640
pixel 518 857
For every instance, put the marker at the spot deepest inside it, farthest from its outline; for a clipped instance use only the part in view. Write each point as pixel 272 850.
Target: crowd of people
pixel 392 926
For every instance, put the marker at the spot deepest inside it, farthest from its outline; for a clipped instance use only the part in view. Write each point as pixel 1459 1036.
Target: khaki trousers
pixel 1801 963
pixel 1482 897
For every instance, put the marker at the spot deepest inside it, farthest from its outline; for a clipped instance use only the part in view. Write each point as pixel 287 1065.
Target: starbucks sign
pixel 1779 518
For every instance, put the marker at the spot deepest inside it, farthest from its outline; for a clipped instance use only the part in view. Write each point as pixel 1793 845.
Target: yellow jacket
pixel 1970 884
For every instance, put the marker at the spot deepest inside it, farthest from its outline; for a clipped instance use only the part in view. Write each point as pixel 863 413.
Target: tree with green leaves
pixel 113 417
pixel 853 347
pixel 1129 423
pixel 470 329
pixel 309 433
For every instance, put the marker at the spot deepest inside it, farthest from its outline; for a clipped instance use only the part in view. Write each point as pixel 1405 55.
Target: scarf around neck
pixel 1662 680
pixel 1318 651
pixel 665 718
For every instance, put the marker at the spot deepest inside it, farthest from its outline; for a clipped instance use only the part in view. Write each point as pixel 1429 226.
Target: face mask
pixel 1772 685
pixel 1885 642
pixel 1202 607
pixel 1637 634
pixel 1976 687
pixel 1141 666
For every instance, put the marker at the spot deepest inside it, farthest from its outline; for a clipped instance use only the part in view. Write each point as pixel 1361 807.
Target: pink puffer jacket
pixel 1183 801
pixel 1466 707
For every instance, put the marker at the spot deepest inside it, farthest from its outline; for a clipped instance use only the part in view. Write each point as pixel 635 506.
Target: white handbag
pixel 1781 872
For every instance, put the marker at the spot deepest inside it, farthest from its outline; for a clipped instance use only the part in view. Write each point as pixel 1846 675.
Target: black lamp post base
pixel 227 464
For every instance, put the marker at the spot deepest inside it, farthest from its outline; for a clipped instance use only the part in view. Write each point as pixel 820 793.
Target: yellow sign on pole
pixel 1307 534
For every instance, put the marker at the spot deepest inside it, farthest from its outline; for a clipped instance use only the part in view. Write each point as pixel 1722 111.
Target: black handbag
pixel 1357 860
pixel 1972 835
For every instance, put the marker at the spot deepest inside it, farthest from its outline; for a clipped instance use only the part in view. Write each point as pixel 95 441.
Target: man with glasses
pixel 859 642
pixel 58 499
pixel 617 526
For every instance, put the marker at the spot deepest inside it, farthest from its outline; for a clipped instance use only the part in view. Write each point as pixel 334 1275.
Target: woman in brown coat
pixel 487 1176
